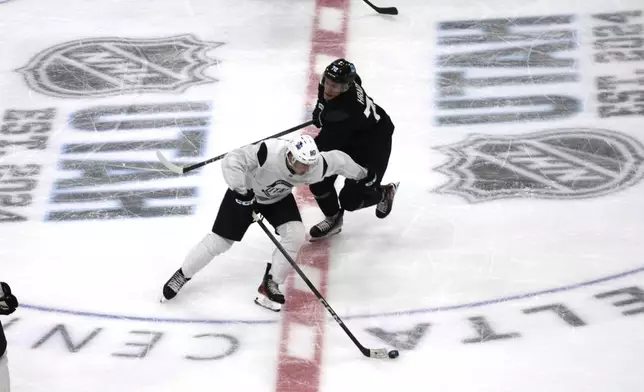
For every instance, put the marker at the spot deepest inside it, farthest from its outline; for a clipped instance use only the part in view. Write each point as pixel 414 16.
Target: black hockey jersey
pixel 353 123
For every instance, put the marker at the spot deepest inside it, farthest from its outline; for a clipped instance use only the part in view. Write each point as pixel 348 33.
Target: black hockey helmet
pixel 341 71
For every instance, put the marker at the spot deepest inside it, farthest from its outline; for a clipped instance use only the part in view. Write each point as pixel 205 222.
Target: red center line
pixel 302 335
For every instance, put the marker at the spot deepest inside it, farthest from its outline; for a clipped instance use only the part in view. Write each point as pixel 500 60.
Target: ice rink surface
pixel 512 260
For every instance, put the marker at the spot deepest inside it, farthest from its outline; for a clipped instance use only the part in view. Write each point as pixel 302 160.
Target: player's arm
pixel 238 162
pixel 340 163
pixel 317 110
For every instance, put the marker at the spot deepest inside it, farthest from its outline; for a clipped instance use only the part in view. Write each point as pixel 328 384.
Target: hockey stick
pixel 383 10
pixel 184 169
pixel 367 352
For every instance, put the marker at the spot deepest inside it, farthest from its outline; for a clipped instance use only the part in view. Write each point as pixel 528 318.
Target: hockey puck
pixel 393 354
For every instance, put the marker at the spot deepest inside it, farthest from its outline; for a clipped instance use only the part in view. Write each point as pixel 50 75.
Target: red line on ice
pixel 294 373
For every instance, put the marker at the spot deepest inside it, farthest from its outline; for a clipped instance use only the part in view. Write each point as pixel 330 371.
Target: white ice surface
pixel 434 252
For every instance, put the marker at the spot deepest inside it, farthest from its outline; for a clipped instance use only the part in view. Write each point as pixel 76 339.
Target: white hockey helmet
pixel 304 150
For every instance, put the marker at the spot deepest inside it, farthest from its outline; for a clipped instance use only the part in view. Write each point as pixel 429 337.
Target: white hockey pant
pixel 292 237
pixel 203 253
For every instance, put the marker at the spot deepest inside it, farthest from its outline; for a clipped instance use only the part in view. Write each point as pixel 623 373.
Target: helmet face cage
pixel 341 71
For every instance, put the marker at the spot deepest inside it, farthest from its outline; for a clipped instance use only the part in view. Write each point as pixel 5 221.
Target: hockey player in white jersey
pixel 260 178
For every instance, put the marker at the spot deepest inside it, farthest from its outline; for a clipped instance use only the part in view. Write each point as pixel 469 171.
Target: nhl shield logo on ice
pixel 570 163
pixel 101 67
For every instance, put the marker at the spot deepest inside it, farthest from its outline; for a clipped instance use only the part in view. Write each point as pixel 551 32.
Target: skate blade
pixel 313 239
pixel 267 303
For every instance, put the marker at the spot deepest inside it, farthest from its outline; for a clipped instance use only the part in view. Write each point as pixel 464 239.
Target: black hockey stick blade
pixel 184 169
pixel 382 10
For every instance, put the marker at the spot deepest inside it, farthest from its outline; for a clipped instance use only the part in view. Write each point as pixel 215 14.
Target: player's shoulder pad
pixel 262 153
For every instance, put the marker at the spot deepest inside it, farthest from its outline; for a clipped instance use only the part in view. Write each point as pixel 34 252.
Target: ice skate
pixel 385 205
pixel 173 285
pixel 269 295
pixel 329 226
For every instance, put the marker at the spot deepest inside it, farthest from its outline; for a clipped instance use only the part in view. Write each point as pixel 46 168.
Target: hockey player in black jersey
pixel 350 121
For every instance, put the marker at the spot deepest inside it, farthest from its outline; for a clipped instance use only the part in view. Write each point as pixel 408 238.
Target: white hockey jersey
pixel 262 168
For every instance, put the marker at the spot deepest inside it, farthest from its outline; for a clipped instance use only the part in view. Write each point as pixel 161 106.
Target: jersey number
pixel 371 107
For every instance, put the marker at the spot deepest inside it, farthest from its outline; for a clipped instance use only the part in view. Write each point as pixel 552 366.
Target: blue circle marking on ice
pixel 348 317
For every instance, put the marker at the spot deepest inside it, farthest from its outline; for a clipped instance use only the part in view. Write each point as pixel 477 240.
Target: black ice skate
pixel 270 296
pixel 329 226
pixel 385 205
pixel 173 285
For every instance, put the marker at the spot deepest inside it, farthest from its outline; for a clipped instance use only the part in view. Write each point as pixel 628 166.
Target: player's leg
pixel 231 224
pixel 355 196
pixel 327 198
pixel 387 192
pixel 285 217
pixel 4 373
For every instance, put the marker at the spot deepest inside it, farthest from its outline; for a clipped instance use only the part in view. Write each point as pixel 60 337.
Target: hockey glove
pixel 8 302
pixel 370 180
pixel 246 199
pixel 317 121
